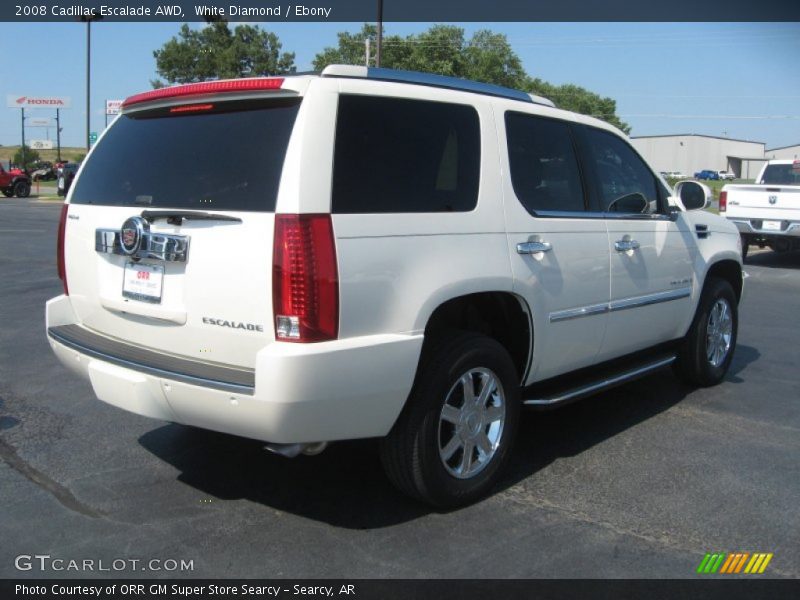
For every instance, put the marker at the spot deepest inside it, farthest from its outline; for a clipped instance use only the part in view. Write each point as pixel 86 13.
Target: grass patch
pixel 67 153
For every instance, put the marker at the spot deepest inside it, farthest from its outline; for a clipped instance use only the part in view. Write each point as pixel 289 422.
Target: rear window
pixel 218 156
pixel 781 175
pixel 405 156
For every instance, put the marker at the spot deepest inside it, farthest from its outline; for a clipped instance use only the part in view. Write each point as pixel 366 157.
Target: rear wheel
pixel 709 345
pixel 8 192
pixel 745 247
pixel 455 433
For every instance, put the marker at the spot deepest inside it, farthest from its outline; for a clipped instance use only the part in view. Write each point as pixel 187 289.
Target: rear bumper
pixel 754 227
pixel 297 393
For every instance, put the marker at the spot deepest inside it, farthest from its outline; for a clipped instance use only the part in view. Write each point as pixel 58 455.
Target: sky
pixel 738 80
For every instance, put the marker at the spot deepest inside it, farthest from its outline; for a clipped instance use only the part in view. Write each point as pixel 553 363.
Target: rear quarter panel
pixel 396 269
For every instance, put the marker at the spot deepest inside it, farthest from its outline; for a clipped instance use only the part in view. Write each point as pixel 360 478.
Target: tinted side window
pixel 619 172
pixel 544 169
pixel 398 156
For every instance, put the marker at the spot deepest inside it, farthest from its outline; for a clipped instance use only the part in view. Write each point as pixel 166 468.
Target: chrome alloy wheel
pixel 471 423
pixel 719 332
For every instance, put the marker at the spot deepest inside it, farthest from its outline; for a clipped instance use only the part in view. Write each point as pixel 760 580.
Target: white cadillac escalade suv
pixel 377 253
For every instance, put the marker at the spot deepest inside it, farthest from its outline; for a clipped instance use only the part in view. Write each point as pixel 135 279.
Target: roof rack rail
pixel 432 80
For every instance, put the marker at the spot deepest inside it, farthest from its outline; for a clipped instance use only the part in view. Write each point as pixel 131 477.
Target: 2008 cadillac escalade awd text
pixel 377 253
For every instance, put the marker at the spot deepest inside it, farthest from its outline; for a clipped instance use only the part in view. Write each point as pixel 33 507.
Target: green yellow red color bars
pixel 734 562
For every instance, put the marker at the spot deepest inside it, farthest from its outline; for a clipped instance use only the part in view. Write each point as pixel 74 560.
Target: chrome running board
pixel 593 387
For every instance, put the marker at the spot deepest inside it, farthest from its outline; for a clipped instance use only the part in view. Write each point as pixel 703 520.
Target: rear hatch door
pixel 170 227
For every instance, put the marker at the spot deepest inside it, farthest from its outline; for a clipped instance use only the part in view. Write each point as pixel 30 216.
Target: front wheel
pixel 455 432
pixel 707 350
pixel 22 189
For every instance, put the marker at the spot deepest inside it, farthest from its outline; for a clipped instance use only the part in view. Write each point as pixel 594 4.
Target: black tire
pixel 22 189
pixel 745 248
pixel 693 364
pixel 411 451
pixel 8 192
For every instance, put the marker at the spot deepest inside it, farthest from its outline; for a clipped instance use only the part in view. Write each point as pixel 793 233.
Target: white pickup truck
pixel 766 213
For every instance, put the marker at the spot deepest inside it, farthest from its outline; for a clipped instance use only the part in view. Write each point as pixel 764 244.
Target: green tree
pixel 578 99
pixel 217 52
pixel 25 156
pixel 486 56
pixel 351 50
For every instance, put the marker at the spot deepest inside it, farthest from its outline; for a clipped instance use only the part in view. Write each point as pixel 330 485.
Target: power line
pixel 743 117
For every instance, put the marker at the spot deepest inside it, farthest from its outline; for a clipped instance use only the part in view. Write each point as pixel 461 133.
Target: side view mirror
pixel 630 203
pixel 693 195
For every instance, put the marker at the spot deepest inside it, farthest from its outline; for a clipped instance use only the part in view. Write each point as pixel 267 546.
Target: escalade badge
pixel 773 199
pixel 131 234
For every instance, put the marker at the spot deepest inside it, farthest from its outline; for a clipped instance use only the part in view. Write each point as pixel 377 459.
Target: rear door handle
pixel 533 247
pixel 624 245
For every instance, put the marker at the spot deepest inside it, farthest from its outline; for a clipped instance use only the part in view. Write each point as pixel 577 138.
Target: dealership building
pixel 792 152
pixel 690 152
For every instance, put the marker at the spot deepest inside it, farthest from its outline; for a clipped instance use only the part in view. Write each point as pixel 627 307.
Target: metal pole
pixel 58 134
pixel 22 152
pixel 366 51
pixel 380 34
pixel 88 77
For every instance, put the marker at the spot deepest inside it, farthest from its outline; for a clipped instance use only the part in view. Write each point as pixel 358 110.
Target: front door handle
pixel 533 247
pixel 626 245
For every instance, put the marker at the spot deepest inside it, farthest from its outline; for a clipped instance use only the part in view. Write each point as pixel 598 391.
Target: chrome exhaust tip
pixel 292 450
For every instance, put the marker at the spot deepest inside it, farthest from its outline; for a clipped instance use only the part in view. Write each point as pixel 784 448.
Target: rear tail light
pixel 723 201
pixel 305 281
pixel 62 267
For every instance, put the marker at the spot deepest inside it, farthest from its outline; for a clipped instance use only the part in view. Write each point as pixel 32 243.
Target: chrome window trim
pixel 621 304
pixel 586 214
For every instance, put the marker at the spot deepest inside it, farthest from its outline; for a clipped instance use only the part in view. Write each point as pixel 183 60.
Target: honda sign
pixel 14 101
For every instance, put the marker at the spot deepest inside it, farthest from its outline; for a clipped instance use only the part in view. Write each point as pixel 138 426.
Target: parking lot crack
pixel 63 495
pixel 688 544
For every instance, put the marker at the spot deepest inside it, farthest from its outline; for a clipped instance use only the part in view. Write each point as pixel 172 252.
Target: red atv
pixel 14 183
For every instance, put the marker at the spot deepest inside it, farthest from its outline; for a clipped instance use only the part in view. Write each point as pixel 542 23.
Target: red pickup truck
pixel 14 183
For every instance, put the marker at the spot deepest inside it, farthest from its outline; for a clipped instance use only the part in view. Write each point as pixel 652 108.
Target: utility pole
pixel 58 133
pixel 22 152
pixel 88 78
pixel 366 51
pixel 380 34
pixel 88 20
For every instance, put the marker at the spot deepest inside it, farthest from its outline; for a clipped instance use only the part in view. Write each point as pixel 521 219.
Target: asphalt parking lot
pixel 638 482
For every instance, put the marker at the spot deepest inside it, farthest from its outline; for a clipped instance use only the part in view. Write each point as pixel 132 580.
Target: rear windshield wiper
pixel 176 217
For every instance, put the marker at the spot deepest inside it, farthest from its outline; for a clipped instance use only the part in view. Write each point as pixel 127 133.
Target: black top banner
pixel 400 10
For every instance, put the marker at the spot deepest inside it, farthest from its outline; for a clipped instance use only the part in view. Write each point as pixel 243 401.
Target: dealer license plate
pixel 771 225
pixel 143 282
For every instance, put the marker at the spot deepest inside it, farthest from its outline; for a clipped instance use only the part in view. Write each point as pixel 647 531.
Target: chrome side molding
pixel 622 304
